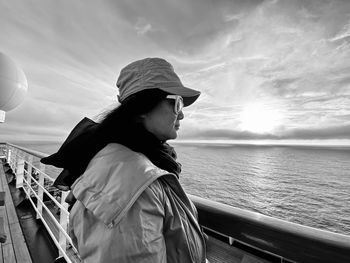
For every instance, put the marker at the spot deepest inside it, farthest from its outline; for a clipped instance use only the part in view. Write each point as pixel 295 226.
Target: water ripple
pixel 309 186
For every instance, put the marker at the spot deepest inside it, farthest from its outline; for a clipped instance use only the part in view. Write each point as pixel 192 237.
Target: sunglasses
pixel 179 103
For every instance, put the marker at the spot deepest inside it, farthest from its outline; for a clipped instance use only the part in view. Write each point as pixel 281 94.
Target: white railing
pixel 31 177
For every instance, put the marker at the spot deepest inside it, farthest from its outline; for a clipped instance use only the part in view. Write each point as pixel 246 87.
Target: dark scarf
pixel 161 154
pixel 87 138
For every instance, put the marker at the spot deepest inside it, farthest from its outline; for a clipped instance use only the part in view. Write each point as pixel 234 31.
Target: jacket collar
pixel 113 181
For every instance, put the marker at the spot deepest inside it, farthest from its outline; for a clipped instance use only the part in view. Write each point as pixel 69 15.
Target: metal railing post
pixel 8 154
pixel 40 191
pixel 19 171
pixel 63 223
pixel 29 174
pixel 14 160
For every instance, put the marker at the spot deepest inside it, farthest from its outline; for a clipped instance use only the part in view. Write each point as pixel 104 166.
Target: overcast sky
pixel 266 69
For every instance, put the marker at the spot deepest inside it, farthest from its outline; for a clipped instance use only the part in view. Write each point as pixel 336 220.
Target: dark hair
pixel 126 116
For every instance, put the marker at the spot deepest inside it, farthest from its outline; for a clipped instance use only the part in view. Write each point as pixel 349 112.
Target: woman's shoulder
pixel 157 188
pixel 113 150
pixel 114 154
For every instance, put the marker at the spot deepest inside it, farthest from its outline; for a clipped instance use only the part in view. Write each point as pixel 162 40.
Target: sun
pixel 259 118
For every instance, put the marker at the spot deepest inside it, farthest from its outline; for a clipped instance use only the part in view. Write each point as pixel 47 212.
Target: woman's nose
pixel 181 115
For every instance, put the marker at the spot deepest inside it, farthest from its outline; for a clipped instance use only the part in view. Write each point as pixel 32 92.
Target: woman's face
pixel 162 121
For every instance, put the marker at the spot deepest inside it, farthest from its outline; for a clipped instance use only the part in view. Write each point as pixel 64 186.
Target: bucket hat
pixel 153 73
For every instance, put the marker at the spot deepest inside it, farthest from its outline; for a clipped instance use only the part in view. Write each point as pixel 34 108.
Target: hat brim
pixel 189 95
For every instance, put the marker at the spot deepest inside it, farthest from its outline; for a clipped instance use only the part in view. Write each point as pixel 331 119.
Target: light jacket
pixel 129 210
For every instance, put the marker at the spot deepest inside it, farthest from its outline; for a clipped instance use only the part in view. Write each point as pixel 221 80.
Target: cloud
pixel 182 27
pixel 293 56
pixel 334 132
pixel 142 27
pixel 16 132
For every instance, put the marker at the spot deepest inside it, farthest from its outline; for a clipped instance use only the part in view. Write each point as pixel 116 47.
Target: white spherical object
pixel 13 84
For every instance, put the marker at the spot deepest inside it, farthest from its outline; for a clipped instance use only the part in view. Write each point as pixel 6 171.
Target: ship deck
pixel 15 249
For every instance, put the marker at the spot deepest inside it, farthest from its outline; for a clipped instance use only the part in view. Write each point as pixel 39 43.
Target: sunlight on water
pixel 305 185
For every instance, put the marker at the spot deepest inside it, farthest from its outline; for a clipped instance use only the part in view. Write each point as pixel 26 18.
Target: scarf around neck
pixel 161 154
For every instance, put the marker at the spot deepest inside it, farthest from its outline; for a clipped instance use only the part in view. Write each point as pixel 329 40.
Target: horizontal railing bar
pixel 52 217
pixel 237 243
pixel 289 240
pixel 49 231
pixel 38 170
pixel 47 193
pixel 21 154
pixel 32 152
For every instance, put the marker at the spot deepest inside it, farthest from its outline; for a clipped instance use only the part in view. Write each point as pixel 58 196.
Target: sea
pixel 308 185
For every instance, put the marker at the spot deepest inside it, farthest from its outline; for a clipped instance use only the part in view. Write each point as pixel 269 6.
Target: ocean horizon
pixel 304 184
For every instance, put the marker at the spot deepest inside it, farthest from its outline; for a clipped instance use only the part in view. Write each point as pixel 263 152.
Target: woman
pixel 130 205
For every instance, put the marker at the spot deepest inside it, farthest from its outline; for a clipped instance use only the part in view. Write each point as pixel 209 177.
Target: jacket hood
pixel 113 181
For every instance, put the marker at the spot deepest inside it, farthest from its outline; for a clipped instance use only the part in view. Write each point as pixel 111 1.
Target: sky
pixel 268 70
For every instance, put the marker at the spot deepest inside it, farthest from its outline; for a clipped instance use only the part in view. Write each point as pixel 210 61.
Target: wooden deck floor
pixel 14 250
